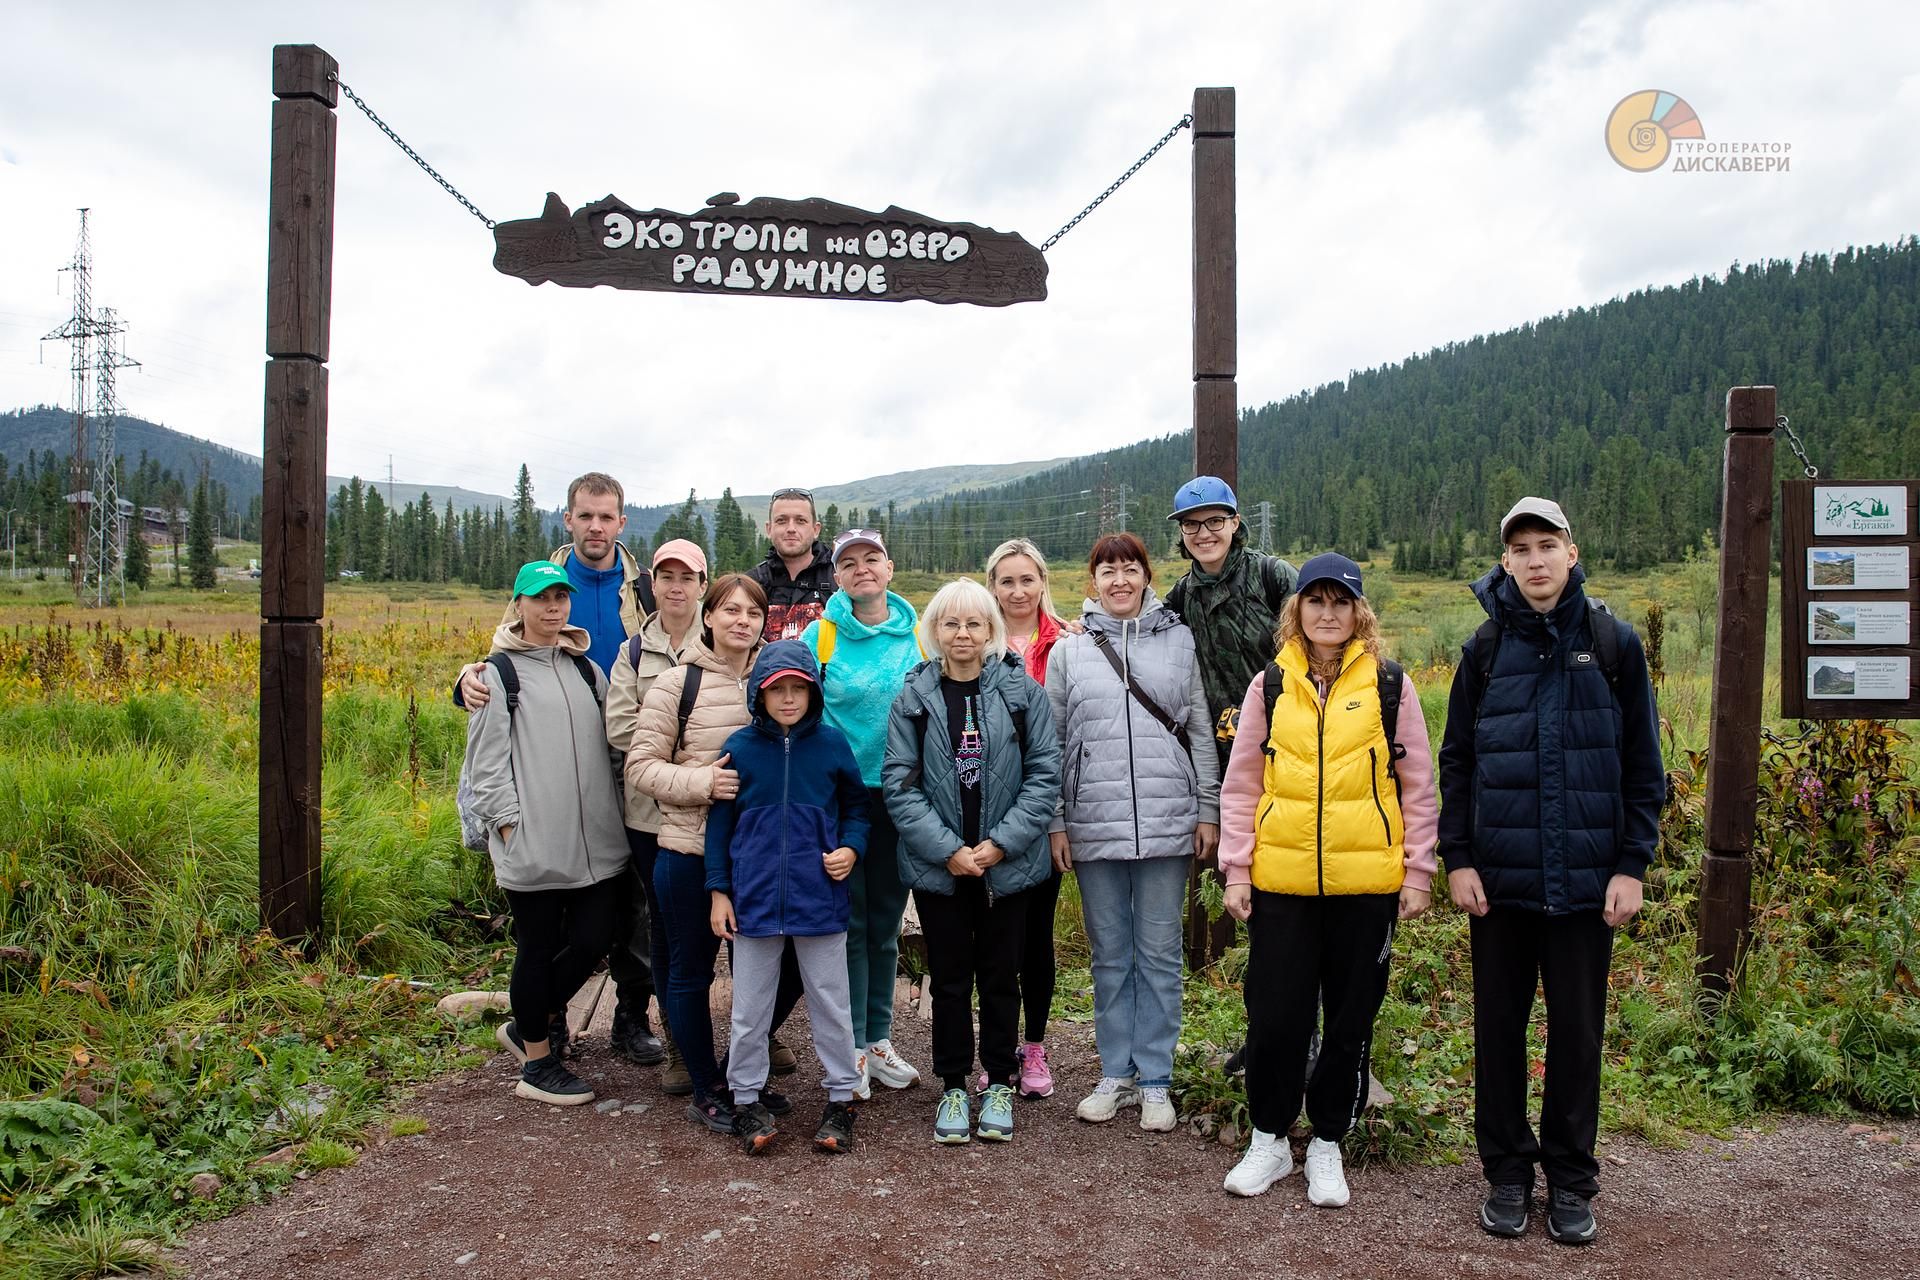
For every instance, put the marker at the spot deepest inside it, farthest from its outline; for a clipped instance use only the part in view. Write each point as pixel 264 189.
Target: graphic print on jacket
pixel 1349 837
pixel 800 797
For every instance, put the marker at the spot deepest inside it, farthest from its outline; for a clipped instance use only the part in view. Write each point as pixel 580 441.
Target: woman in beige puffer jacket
pixel 684 771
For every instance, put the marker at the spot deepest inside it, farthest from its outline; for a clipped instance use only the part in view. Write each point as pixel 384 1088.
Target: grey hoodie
pixel 1127 789
pixel 545 770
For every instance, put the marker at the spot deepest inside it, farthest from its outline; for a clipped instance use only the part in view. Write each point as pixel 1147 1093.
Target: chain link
pixel 413 155
pixel 1799 450
pixel 1186 122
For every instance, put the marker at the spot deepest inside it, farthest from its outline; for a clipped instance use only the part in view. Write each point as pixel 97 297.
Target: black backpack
pixel 1391 682
pixel 510 678
pixel 1606 644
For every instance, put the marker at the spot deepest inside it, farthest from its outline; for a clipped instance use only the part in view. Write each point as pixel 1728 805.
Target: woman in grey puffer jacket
pixel 1137 804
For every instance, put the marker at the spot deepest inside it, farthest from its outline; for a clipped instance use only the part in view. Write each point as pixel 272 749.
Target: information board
pixel 1848 594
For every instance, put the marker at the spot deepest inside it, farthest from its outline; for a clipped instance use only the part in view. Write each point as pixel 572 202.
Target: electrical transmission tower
pixel 1265 514
pixel 97 534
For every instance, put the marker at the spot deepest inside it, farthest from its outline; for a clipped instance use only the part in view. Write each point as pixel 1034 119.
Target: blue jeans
pixel 873 933
pixel 1133 910
pixel 680 883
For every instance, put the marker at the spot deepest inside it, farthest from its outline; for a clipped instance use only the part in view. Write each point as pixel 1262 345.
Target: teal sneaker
pixel 950 1122
pixel 996 1113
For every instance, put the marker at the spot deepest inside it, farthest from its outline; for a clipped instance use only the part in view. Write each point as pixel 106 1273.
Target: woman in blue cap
pixel 541 778
pixel 1329 818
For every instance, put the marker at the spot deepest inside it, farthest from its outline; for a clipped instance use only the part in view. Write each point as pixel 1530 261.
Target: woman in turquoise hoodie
pixel 866 644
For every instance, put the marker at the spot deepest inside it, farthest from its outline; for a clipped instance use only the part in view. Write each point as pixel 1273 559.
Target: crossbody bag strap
pixel 1147 704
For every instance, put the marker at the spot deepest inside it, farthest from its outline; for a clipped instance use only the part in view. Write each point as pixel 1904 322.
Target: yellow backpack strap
pixel 823 641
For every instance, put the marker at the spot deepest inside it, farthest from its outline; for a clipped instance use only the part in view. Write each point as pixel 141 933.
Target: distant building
pixel 154 522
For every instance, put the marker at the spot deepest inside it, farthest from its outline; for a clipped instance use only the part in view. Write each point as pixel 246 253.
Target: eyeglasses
pixel 1212 524
pixel 972 626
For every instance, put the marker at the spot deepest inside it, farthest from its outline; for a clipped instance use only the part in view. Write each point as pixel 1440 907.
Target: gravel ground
pixel 502 1187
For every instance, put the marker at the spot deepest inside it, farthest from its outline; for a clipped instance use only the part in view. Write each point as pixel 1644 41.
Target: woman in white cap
pixel 1329 819
pixel 543 783
pixel 866 644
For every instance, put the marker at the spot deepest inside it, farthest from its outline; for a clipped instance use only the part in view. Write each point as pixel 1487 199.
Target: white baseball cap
pixel 1540 509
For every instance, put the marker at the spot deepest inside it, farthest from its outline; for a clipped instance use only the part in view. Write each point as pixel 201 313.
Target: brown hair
pixel 718 591
pixel 597 482
pixel 1116 547
pixel 1366 623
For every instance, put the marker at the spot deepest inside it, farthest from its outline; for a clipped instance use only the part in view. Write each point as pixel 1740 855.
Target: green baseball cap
pixel 536 576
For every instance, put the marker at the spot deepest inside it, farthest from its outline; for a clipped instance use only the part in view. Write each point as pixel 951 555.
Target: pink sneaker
pixel 1036 1081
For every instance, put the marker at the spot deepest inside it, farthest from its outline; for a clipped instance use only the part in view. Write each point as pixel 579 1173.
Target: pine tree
pixel 529 542
pixel 201 561
pixel 139 559
pixel 448 563
pixel 733 542
pixel 830 523
pixel 373 535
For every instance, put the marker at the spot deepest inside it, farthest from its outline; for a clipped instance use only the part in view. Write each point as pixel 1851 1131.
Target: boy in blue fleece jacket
pixel 778 856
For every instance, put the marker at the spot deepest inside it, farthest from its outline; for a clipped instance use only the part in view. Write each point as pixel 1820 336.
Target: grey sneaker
pixel 953 1121
pixel 1504 1211
pixel 1570 1217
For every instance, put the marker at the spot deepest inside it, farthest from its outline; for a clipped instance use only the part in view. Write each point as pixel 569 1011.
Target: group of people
pixel 774 760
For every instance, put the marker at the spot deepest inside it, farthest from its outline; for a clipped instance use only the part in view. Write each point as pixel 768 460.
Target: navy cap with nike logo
pixel 1330 566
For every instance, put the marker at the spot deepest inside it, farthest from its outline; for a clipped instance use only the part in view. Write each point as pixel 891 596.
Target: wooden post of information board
pixel 1216 423
pixel 294 496
pixel 1739 670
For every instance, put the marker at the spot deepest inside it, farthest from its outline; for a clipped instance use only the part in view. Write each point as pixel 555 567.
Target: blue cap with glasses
pixel 1203 491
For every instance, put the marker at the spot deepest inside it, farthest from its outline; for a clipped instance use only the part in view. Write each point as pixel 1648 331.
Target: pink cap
pixel 687 553
pixel 784 672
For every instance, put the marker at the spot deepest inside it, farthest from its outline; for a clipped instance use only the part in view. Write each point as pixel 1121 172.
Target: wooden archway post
pixel 1739 671
pixel 1216 409
pixel 294 496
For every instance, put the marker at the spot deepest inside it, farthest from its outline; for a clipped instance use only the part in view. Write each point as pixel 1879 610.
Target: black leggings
pixel 1036 963
pixel 559 937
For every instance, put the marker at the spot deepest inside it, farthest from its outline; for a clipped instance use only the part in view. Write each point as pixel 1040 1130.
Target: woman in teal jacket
pixel 865 644
pixel 972 778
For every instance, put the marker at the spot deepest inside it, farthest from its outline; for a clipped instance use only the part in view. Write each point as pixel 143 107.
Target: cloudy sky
pixel 1408 175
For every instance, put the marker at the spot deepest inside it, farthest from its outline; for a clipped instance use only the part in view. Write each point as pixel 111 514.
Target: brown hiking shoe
pixel 675 1079
pixel 780 1059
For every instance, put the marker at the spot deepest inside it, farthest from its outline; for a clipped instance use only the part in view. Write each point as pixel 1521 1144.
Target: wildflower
pixel 1811 788
pixel 1862 798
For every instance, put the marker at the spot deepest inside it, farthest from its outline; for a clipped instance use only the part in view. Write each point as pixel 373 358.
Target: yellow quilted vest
pixel 1329 817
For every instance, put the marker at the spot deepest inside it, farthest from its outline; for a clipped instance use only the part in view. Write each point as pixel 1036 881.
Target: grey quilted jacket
pixel 1128 790
pixel 1022 785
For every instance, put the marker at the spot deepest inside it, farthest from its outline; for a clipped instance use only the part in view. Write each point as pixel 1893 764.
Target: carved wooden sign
pixel 772 248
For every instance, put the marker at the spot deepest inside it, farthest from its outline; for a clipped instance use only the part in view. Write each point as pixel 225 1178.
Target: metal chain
pixel 1799 450
pixel 1186 121
pixel 411 153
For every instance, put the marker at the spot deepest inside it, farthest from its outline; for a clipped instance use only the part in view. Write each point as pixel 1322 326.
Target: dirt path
pixel 501 1187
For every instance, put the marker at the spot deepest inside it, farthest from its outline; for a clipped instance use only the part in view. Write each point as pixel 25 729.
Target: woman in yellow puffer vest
pixel 1328 819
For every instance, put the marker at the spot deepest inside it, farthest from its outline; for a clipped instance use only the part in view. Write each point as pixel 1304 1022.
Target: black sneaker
pixel 776 1103
pixel 715 1113
pixel 1504 1211
pixel 509 1039
pixel 632 1039
pixel 754 1126
pixel 559 1039
pixel 548 1080
pixel 1570 1217
pixel 1236 1063
pixel 835 1134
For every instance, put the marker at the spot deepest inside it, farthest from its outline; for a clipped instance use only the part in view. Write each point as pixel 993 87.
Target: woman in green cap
pixel 545 784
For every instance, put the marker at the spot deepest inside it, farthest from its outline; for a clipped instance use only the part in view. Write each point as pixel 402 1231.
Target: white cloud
pixel 1408 175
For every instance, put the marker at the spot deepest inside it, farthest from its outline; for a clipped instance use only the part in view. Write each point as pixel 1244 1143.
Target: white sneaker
pixel 1269 1158
pixel 889 1068
pixel 863 1091
pixel 1156 1109
pixel 1326 1175
pixel 1107 1098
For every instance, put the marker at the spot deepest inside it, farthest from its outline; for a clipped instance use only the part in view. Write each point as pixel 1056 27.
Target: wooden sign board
pixel 1850 582
pixel 772 248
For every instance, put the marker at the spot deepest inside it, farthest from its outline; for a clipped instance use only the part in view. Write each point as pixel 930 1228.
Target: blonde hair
pixel 1366 623
pixel 963 595
pixel 1022 547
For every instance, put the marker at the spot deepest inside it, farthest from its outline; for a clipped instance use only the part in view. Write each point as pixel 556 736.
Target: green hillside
pixel 1614 409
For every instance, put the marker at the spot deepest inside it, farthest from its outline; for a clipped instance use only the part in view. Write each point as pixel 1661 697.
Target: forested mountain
pixel 1616 410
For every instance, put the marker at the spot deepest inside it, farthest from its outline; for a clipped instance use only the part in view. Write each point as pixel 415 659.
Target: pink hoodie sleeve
pixel 1240 789
pixel 1419 803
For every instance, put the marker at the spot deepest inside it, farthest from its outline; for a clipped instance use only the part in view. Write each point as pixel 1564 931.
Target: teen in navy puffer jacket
pixel 777 861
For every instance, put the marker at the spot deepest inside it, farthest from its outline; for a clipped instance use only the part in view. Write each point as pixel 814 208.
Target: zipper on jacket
pixel 1320 801
pixel 573 741
pixel 786 831
pixel 1126 701
pixel 1373 780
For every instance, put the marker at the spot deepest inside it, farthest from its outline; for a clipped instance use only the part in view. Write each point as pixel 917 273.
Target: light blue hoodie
pixel 865 672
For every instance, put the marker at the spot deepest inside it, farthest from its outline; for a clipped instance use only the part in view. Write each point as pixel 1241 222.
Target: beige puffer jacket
pixel 626 690
pixel 680 780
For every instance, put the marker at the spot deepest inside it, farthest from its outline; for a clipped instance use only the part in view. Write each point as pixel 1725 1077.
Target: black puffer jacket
pixel 1550 776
